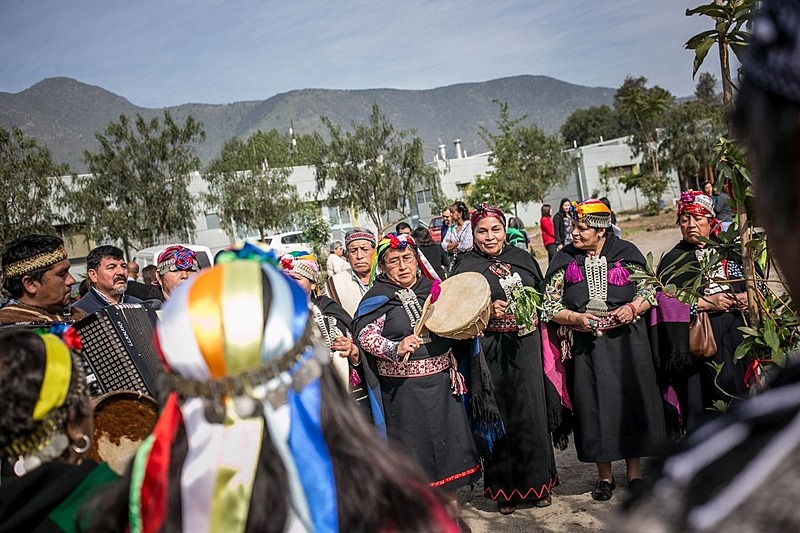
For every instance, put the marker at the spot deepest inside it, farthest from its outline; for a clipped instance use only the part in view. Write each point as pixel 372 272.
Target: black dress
pixel 521 466
pixel 419 412
pixel 694 380
pixel 611 379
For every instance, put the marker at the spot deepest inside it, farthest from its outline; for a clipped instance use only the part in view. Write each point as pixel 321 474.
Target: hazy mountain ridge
pixel 64 114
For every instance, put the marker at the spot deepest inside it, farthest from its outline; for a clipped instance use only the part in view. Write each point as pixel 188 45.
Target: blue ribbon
pixel 310 453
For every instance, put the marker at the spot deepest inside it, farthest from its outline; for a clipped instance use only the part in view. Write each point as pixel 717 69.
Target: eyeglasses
pixel 395 262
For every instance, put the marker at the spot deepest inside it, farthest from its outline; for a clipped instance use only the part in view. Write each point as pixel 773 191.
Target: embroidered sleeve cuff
pixel 372 340
pixel 553 292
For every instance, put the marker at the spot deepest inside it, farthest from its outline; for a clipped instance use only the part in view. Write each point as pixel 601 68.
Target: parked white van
pixel 149 256
pixel 282 243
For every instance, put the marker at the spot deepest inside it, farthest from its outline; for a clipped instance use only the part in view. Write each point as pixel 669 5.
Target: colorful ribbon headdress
pixel 176 258
pixel 303 263
pixel 593 212
pixel 399 241
pixel 243 364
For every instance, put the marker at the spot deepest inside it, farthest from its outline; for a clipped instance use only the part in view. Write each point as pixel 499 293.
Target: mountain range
pixel 64 114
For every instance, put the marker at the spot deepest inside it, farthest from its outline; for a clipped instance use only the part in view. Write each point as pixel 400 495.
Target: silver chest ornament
pixel 597 281
pixel 410 303
pixel 330 332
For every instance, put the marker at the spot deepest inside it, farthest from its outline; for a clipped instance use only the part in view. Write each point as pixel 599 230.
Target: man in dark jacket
pixel 108 274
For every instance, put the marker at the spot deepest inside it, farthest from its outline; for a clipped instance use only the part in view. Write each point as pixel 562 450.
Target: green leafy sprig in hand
pixel 526 306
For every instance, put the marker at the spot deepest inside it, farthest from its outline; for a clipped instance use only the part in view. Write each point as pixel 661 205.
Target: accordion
pixel 118 352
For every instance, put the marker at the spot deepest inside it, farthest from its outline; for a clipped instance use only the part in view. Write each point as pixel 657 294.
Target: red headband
pixel 482 211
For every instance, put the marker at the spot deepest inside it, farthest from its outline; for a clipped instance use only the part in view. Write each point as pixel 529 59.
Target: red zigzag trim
pixel 546 489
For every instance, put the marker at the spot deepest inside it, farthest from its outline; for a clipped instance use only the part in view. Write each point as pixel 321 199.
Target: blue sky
pixel 166 52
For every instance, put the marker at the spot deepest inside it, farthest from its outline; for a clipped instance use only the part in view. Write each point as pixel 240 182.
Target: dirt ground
pixel 573 509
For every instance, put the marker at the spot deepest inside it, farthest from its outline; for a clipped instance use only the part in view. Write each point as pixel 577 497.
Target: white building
pixel 457 175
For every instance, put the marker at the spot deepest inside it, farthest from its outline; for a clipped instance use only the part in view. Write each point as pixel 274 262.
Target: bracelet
pixel 633 310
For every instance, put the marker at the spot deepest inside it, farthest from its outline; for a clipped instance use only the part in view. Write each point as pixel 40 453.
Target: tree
pixel 527 162
pixel 137 191
pixel 730 19
pixel 316 230
pixel 248 189
pixel 29 178
pixel 375 168
pixel 691 132
pixel 490 190
pixel 586 126
pixel 648 108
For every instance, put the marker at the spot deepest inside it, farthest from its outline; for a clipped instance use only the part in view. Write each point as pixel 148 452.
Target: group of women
pixel 253 406
pixel 596 355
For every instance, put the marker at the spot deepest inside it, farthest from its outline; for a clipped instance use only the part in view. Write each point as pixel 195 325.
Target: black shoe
pixel 506 508
pixel 637 485
pixel 603 490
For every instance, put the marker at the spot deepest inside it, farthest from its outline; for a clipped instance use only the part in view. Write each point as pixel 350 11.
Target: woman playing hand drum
pixel 420 398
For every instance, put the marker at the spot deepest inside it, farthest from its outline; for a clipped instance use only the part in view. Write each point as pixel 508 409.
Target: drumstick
pixel 427 307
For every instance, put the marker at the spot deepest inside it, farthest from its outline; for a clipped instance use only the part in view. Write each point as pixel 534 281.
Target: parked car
pixel 149 256
pixel 292 241
pixel 435 229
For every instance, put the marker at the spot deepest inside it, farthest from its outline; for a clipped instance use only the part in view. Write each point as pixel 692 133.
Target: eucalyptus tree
pixel 248 184
pixel 28 180
pixel 648 109
pixel 374 168
pixel 137 191
pixel 526 162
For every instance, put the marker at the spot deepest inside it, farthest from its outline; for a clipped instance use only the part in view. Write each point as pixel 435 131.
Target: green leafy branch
pixel 526 304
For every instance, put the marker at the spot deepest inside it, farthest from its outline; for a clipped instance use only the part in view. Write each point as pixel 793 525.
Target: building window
pixel 338 215
pixel 424 197
pixel 212 221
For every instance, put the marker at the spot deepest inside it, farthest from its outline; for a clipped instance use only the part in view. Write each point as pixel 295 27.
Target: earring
pixel 87 443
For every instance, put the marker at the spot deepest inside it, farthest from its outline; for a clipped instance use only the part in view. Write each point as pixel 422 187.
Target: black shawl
pixel 477 261
pixel 329 307
pixel 614 250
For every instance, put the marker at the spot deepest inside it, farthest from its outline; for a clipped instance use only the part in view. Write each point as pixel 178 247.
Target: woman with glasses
pixel 413 378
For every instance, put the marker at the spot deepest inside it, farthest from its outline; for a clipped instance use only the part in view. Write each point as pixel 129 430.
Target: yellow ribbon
pixel 242 315
pixel 57 376
pixel 206 319
pixel 236 472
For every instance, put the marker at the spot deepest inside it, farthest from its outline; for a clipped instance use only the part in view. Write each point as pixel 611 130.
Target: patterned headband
pixel 593 212
pixel 483 211
pixel 696 203
pixel 28 265
pixel 302 263
pixel 359 235
pixel 177 258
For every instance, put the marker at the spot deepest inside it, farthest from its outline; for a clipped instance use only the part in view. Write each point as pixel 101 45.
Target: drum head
pixel 463 300
pixel 122 420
